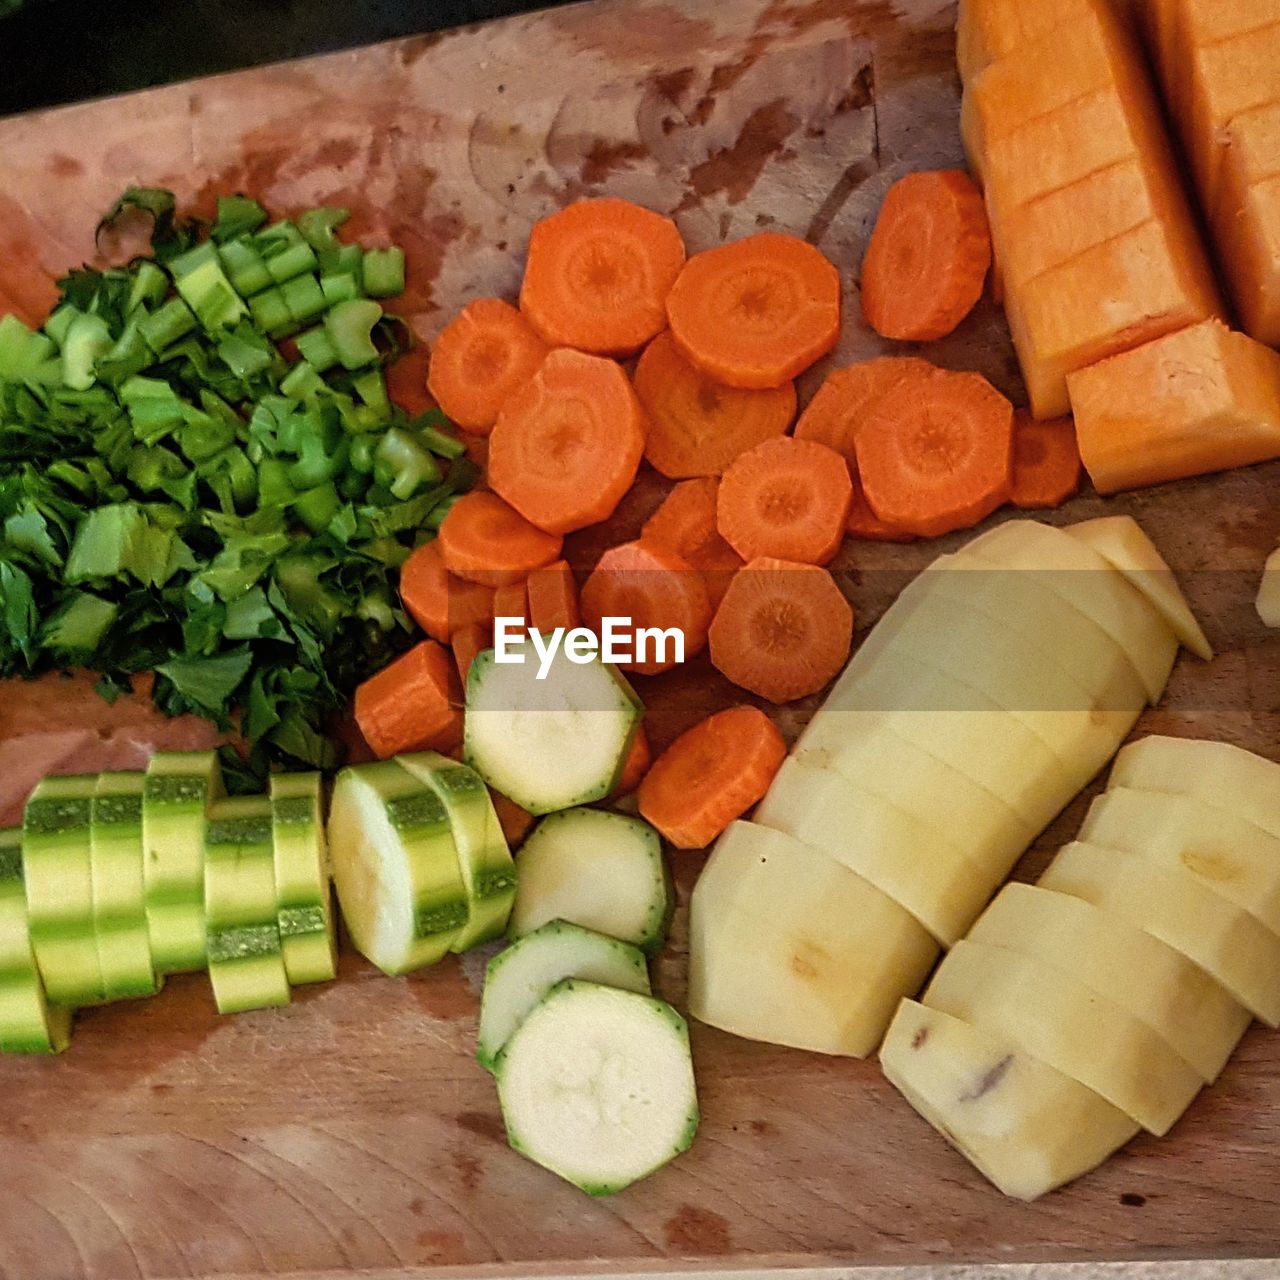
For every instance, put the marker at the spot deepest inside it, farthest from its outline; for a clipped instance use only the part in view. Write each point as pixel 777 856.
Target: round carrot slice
pixel 598 274
pixel 711 775
pixel 783 630
pixel 484 354
pixel 935 453
pixel 636 765
pixel 1046 461
pixel 864 523
pixel 697 426
pixel 785 498
pixel 928 256
pixel 484 540
pixel 757 312
pixel 652 588
pixel 437 601
pixel 553 598
pixel 841 404
pixel 567 445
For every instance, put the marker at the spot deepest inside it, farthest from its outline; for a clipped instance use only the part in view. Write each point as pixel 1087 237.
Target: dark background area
pixel 54 51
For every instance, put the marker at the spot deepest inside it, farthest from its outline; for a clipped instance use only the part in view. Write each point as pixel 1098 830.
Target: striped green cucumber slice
pixel 180 787
pixel 119 908
pixel 304 904
pixel 59 888
pixel 395 867
pixel 246 966
pixel 487 868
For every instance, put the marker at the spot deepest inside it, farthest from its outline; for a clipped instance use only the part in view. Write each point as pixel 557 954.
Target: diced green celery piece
pixel 59 322
pixel 318 226
pixel 149 287
pixel 350 329
pixel 317 349
pixel 316 507
pixel 278 237
pixel 301 382
pixel 155 468
pixel 274 489
pixel 352 484
pixel 292 260
pixel 426 429
pixel 128 356
pixel 319 459
pixel 165 326
pixel 344 260
pixel 244 267
pixel 232 477
pixel 237 216
pixel 22 353
pixel 105 542
pixel 361 458
pixel 271 312
pixel 384 272
pixel 203 435
pixel 201 255
pixel 299 579
pixel 86 339
pixel 304 298
pixel 79 625
pixel 371 387
pixel 403 465
pixel 245 352
pixel 204 286
pixel 340 288
pixel 154 408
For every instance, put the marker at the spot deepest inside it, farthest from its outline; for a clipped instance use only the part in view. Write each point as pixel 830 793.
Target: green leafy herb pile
pixel 177 496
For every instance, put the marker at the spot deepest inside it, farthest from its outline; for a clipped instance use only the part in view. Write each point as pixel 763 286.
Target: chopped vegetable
pixel 635 766
pixel 553 598
pixel 511 601
pixel 468 643
pixel 437 601
pixel 840 406
pixel 484 540
pixel 1046 462
pixel 408 706
pixel 864 523
pixel 686 524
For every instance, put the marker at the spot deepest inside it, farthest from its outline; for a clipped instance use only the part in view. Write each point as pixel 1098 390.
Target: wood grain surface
pixel 353 1132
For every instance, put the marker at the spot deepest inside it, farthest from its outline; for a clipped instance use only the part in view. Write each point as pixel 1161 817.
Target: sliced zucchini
pixel 246 964
pixel 179 789
pixel 395 866
pixel 59 887
pixel 483 855
pixel 304 903
pixel 552 743
pixel 119 907
pixel 603 871
pixel 597 1085
pixel 519 978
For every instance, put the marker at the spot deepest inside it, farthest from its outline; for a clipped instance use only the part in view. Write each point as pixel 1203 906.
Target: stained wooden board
pixel 353 1131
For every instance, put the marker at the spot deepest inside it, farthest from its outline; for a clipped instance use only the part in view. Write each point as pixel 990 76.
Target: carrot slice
pixel 936 452
pixel 841 404
pixel 511 601
pixel 697 426
pixel 406 380
pixel 567 445
pixel 484 540
pixel 711 775
pixel 756 312
pixel 928 257
pixel 1046 461
pixel 468 643
pixel 553 598
pixel 409 705
pixel 598 274
pixel 635 766
pixel 514 821
pixel 785 498
pixel 484 354
pixel 864 523
pixel 437 601
pixel 686 524
pixel 652 588
pixel 783 630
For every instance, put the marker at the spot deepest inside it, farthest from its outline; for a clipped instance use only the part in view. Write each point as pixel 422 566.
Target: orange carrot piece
pixel 636 765
pixel 468 642
pixel 864 523
pixel 484 540
pixel 697 426
pixel 840 406
pixel 410 705
pixel 686 524
pixel 1046 461
pixel 511 601
pixel 928 256
pixel 553 598
pixel 598 274
pixel 514 821
pixel 786 498
pixel 757 312
pixel 407 382
pixel 482 356
pixel 653 588
pixel 783 630
pixel 936 453
pixel 567 445
pixel 437 601
pixel 711 775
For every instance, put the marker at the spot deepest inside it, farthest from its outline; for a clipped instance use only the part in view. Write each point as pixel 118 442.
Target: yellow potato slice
pixel 1173 905
pixel 921 868
pixel 1191 1012
pixel 1025 1126
pixel 1057 1019
pixel 788 946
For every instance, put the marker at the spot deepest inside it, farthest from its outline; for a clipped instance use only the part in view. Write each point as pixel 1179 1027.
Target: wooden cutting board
pixel 353 1131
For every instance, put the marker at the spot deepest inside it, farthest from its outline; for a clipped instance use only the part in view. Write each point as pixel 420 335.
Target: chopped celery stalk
pixel 153 468
pixel 149 287
pixel 202 435
pixel 244 267
pixel 371 387
pixel 318 226
pixel 274 489
pixel 245 353
pixel 437 441
pixel 350 329
pixel 361 457
pixel 339 288
pixel 200 255
pixel 278 237
pixel 271 312
pixel 318 461
pixel 79 625
pixel 164 327
pixel 154 407
pixel 292 260
pixel 302 381
pixel 403 465
pixel 384 272
pixel 23 353
pixel 304 298
pixel 237 216
pixel 87 338
pixel 204 287
pixel 342 260
pixel 128 356
pixel 316 348
pixel 317 506
pixel 59 322
pixel 435 517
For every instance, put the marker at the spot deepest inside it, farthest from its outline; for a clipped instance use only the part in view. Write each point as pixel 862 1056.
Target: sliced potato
pixel 1057 1019
pixel 1024 1125
pixel 1268 601
pixel 788 946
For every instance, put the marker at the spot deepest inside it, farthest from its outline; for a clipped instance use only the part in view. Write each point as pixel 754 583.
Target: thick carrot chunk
pixel 410 705
pixel 484 540
pixel 1046 461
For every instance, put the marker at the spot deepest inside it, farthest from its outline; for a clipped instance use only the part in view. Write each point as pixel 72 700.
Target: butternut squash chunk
pixel 987 30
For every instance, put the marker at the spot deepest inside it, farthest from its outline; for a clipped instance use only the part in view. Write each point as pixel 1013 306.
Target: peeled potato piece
pixel 1173 905
pixel 1025 1126
pixel 1268 601
pixel 1059 1020
pixel 788 946
pixel 1191 1012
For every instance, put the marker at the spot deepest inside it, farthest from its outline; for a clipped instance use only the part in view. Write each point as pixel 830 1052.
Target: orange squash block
pixel 987 30
pixel 1247 234
pixel 1204 399
pixel 1116 296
